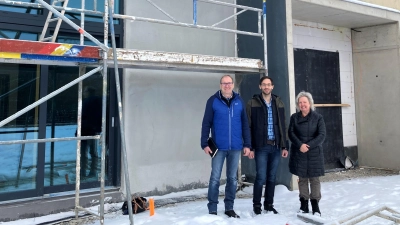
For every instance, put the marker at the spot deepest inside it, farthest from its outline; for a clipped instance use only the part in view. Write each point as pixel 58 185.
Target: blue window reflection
pixel 11 34
pixel 19 9
pixel 94 5
pixel 76 41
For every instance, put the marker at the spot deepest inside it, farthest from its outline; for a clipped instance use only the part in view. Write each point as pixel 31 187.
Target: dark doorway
pixel 318 72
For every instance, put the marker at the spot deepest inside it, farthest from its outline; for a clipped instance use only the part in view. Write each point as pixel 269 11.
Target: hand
pixel 251 155
pixel 246 151
pixel 304 148
pixel 207 150
pixel 285 153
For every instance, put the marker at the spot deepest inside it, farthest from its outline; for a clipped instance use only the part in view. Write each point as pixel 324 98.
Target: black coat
pixel 308 130
pixel 257 117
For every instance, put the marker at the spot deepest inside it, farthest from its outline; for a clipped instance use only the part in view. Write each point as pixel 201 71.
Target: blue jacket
pixel 229 125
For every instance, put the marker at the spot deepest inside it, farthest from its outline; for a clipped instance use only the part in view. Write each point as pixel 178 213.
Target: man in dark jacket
pixel 266 113
pixel 91 125
pixel 225 116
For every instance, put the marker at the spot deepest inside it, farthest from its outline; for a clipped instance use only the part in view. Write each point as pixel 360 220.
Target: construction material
pixel 151 206
pixel 331 105
pixel 353 218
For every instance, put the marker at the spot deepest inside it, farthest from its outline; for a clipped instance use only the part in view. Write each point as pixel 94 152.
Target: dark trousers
pixel 267 161
pixel 89 146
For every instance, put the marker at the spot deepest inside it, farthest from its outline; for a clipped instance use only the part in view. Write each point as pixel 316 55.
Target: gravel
pixel 359 172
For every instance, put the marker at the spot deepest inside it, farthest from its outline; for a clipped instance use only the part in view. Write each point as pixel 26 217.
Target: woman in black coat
pixel 307 133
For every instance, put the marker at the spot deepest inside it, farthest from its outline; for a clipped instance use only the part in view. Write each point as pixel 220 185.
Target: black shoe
pixel 257 210
pixel 231 213
pixel 270 208
pixel 213 213
pixel 304 205
pixel 315 207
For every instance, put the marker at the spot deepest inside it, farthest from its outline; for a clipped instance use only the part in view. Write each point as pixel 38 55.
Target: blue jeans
pixel 232 162
pixel 267 161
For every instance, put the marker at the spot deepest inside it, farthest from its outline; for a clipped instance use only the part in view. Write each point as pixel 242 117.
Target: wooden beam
pixel 332 105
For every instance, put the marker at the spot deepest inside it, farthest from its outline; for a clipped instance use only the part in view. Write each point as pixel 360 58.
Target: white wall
pixel 164 109
pixel 377 81
pixel 310 35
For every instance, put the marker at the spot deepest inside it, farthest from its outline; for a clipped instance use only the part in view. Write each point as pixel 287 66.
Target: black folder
pixel 213 147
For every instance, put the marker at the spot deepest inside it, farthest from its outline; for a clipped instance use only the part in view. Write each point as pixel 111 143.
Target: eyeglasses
pixel 266 85
pixel 226 84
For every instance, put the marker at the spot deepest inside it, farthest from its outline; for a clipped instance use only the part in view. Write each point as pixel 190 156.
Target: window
pixel 22 9
pixel 11 34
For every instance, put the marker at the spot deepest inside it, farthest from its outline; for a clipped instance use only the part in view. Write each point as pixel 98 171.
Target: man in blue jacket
pixel 225 115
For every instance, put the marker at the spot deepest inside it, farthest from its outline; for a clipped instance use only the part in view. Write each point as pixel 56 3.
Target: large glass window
pixel 19 9
pixel 18 88
pixel 60 157
pixel 11 34
pixel 76 40
pixel 94 5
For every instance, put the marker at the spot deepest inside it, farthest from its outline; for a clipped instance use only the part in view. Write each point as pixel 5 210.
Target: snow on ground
pixel 338 199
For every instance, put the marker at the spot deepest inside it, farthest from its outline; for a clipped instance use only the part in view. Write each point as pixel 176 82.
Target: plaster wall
pixel 377 80
pixel 163 110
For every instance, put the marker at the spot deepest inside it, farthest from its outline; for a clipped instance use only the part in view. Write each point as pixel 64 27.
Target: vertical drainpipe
pixel 265 36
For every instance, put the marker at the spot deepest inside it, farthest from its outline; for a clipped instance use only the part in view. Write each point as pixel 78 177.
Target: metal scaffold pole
pixel 104 113
pixel 265 36
pixel 78 131
pixel 78 145
pixel 121 117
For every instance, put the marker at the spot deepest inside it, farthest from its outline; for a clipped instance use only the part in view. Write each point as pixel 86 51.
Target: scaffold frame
pixel 102 57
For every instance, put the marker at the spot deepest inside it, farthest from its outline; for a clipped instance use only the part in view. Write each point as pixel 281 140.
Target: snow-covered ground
pixel 338 199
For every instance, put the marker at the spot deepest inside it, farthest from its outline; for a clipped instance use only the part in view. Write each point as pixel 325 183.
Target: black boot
pixel 231 213
pixel 303 205
pixel 315 207
pixel 257 209
pixel 270 208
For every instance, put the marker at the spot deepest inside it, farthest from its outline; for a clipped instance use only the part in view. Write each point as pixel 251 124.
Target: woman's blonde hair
pixel 308 96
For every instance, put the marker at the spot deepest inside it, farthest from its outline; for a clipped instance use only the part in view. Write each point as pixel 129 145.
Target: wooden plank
pixel 388 217
pixel 20 51
pixel 146 56
pixel 309 218
pixel 332 105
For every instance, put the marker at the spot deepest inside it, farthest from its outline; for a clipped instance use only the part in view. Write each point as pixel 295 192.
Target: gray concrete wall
pixel 164 109
pixel 377 81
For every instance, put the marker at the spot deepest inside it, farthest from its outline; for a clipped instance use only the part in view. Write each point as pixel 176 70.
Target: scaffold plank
pixel 35 50
pixel 185 61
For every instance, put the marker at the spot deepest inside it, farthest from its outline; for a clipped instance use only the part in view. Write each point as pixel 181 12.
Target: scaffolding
pixel 101 57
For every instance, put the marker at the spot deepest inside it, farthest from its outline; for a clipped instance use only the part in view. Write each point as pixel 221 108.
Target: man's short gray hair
pixel 226 75
pixel 308 96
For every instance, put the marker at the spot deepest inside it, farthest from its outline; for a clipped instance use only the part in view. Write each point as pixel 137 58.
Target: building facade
pixel 345 52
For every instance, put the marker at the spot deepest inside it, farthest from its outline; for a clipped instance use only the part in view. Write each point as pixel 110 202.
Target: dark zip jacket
pixel 258 115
